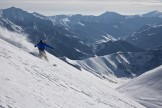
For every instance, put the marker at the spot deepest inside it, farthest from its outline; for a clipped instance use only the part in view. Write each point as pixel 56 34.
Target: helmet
pixel 41 41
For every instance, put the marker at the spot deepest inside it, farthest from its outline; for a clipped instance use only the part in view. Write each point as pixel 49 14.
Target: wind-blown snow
pixel 146 89
pixel 17 39
pixel 29 82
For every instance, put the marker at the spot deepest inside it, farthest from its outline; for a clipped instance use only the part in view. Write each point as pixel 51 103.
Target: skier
pixel 41 47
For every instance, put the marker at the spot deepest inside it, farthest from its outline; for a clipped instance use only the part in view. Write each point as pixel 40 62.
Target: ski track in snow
pixel 29 82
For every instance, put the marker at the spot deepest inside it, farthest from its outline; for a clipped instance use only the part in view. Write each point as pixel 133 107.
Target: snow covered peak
pixel 13 14
pixel 13 9
pixel 40 16
pixel 153 14
pixel 134 16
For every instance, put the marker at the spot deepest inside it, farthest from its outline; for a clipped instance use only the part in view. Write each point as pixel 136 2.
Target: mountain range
pixel 81 41
pixel 148 37
pixel 87 36
pixel 27 81
pixel 93 57
pixel 108 23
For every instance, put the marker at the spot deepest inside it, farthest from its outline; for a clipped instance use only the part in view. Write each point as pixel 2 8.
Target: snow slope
pixel 29 82
pixel 120 67
pixel 146 89
pixel 105 67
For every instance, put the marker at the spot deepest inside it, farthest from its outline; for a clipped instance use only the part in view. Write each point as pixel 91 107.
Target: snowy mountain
pixel 146 89
pixel 86 36
pixel 40 16
pixel 147 37
pixel 38 27
pixel 111 23
pixel 116 46
pixel 29 82
pixel 121 65
pixel 84 27
pixel 153 14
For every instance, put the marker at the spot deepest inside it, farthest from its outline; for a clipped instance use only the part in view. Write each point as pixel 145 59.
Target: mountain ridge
pixel 148 37
pixel 83 34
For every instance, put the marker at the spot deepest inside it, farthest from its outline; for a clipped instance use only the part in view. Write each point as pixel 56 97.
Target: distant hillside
pixel 120 65
pixel 148 37
pixel 146 89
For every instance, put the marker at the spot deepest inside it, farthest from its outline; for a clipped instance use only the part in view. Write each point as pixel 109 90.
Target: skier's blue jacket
pixel 41 46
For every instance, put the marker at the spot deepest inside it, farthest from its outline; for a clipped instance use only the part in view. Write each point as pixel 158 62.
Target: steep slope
pixel 28 82
pixel 146 89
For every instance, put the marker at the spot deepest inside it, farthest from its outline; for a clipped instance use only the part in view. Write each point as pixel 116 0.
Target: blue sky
pixel 88 7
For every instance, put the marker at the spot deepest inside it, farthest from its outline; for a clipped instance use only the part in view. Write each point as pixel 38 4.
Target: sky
pixel 85 7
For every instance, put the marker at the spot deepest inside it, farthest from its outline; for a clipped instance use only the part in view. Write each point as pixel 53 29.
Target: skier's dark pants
pixel 42 54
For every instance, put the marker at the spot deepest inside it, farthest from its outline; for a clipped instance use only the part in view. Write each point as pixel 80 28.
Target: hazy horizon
pixel 84 7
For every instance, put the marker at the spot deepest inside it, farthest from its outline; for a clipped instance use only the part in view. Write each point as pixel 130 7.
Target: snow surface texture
pixel 29 82
pixel 146 89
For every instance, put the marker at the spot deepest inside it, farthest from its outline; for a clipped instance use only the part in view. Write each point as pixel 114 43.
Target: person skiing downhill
pixel 41 47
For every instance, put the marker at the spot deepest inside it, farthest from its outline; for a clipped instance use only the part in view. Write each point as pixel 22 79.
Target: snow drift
pixel 146 89
pixel 17 39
